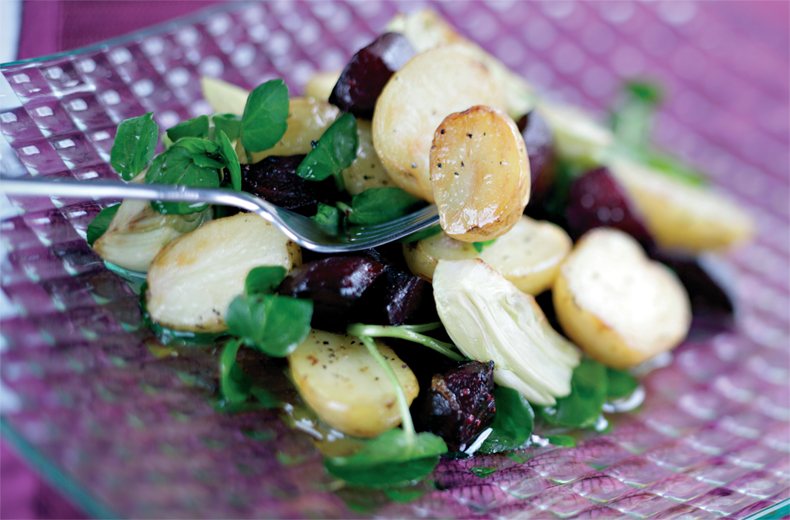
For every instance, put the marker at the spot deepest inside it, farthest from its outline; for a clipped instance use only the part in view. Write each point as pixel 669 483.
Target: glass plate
pixel 127 428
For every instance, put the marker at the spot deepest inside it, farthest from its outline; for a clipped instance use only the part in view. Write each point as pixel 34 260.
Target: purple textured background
pixel 712 440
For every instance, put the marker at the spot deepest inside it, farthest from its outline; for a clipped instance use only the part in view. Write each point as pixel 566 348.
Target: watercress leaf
pixel 479 246
pixel 264 279
pixel 198 146
pixel 245 318
pixel 185 166
pixel 645 91
pixel 513 422
pixel 265 116
pixel 195 127
pixel 228 123
pixel 233 383
pixel 582 407
pixel 425 233
pixel 632 119
pixel 274 325
pixel 334 151
pixel 620 383
pixel 379 205
pixel 567 441
pixel 328 219
pixel 286 324
pixel 100 223
pixel 389 460
pixel 228 154
pixel 134 145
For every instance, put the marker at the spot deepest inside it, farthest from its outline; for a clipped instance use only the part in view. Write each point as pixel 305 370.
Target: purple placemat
pixel 712 439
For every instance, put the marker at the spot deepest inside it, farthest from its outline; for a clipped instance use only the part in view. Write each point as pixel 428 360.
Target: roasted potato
pixel 320 85
pixel 431 86
pixel 577 135
pixel 425 30
pixel 193 279
pixel 223 97
pixel 614 302
pixel 528 256
pixel 366 171
pixel 479 174
pixel 340 380
pixel 680 215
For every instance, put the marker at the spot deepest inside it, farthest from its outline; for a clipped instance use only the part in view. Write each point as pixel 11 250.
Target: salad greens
pixel 333 153
pixel 228 123
pixel 100 223
pixel 265 116
pixel 195 127
pixel 134 145
pixel 513 422
pixel 380 205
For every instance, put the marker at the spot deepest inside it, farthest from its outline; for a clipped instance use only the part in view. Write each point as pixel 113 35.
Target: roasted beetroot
pixel 364 77
pixel 540 150
pixel 405 297
pixel 459 404
pixel 596 199
pixel 338 286
pixel 274 179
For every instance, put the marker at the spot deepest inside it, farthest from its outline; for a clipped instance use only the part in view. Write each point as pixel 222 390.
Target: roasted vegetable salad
pixel 564 256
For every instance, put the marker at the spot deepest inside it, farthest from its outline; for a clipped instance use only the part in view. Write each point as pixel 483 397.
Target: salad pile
pixel 563 262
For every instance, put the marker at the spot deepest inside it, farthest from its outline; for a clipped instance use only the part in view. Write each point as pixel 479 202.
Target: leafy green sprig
pixel 409 333
pixel 332 153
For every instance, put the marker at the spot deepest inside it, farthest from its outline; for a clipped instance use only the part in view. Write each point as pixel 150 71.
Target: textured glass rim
pixel 159 28
pixel 71 489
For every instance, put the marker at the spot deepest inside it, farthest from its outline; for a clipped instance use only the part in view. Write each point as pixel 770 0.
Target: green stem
pixel 403 405
pixel 409 334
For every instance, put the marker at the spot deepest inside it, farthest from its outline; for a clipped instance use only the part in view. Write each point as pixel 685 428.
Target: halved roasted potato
pixel 577 135
pixel 680 215
pixel 431 86
pixel 614 302
pixel 479 174
pixel 528 256
pixel 193 279
pixel 222 96
pixel 336 375
pixel 138 232
pixel 488 318
pixel 425 29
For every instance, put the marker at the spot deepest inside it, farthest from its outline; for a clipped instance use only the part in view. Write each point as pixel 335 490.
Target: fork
pixel 302 230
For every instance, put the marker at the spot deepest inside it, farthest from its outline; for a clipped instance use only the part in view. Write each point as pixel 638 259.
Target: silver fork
pixel 298 228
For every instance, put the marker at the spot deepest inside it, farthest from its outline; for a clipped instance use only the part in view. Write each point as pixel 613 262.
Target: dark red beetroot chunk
pixel 460 404
pixel 596 199
pixel 540 151
pixel 337 285
pixel 365 75
pixel 274 179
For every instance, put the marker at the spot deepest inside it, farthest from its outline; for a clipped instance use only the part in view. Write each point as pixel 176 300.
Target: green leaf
pixel 620 383
pixel 265 116
pixel 389 460
pixel 275 325
pixel 567 441
pixel 334 151
pixel 483 471
pixel 513 422
pixel 479 246
pixel 100 223
pixel 264 279
pixel 234 385
pixel 134 145
pixel 228 123
pixel 425 233
pixel 647 92
pixel 228 154
pixel 379 205
pixel 673 167
pixel 195 127
pixel 582 407
pixel 328 219
pixel 186 163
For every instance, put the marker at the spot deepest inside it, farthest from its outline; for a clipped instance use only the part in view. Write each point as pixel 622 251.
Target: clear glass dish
pixel 128 428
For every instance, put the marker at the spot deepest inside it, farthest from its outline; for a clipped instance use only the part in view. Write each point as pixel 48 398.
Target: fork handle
pixel 38 187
